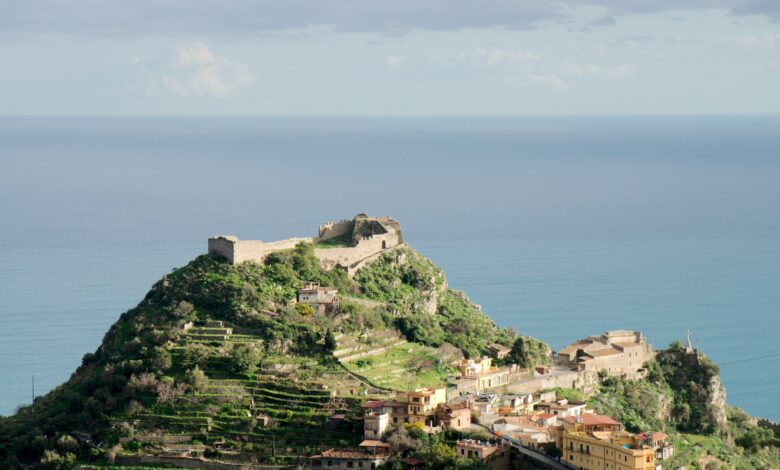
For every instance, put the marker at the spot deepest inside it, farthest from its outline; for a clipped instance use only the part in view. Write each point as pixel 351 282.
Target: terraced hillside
pixel 236 415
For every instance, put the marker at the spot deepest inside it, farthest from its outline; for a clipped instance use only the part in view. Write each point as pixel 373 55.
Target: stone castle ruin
pixel 347 244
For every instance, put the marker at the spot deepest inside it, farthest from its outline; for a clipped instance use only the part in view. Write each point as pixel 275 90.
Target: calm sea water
pixel 558 227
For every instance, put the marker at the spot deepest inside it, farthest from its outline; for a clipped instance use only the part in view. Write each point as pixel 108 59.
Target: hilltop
pixel 219 353
pixel 225 359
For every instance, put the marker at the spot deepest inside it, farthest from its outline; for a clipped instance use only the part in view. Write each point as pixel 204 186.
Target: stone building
pixel 498 351
pixel 619 353
pixel 375 424
pixel 321 299
pixel 453 416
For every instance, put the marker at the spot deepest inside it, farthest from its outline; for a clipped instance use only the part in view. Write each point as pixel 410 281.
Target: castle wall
pixel 334 229
pixel 348 256
pixel 237 251
pixel 222 246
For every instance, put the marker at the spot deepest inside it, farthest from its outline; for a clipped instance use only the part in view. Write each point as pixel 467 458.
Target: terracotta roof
pixel 591 420
pixel 498 347
pixel 544 416
pixel 374 404
pixel 602 352
pixel 623 344
pixel 373 443
pixel 573 347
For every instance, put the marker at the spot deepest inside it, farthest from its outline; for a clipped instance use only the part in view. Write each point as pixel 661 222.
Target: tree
pixel 196 354
pixel 529 352
pixel 168 393
pixel 246 359
pixel 401 441
pixel 197 379
pixel 304 310
pixel 53 460
pixel 330 341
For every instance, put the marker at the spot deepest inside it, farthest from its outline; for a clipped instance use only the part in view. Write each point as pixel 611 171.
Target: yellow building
pixel 484 373
pixel 422 404
pixel 607 450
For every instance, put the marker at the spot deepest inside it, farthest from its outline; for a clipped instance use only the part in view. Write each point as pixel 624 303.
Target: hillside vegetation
pixel 218 356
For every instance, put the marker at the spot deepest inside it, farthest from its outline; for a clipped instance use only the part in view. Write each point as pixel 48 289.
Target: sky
pixel 389 57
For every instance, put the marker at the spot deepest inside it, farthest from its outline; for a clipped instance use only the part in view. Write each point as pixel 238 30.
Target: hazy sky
pixel 388 57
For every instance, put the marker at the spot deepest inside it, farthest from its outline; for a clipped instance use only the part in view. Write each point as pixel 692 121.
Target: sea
pixel 559 227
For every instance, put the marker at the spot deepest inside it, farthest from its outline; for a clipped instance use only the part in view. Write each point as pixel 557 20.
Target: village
pixel 517 408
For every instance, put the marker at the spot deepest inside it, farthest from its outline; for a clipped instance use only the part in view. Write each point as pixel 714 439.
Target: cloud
pixel 394 60
pixel 489 56
pixel 193 71
pixel 759 40
pixel 559 78
pixel 592 70
pixel 552 81
pixel 237 17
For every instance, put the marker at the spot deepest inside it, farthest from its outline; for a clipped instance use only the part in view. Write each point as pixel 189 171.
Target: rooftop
pixel 591 420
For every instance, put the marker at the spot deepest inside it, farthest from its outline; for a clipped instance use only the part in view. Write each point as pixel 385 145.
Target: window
pixel 330 463
pixel 350 464
pixel 360 464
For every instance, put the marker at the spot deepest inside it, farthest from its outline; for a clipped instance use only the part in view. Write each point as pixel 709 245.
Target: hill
pixel 219 360
pixel 218 357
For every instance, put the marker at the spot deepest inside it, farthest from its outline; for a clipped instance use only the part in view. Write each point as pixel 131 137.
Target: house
pixel 419 406
pixel 453 416
pixel 498 351
pixel 375 424
pixel 321 299
pixel 590 422
pixel 617 352
pixel 525 429
pixel 664 449
pixel 375 447
pixel 422 404
pixel 493 456
pixel 517 404
pixel 333 459
pixel 480 375
pixel 474 449
pixel 607 449
pixel 545 419
pixel 561 408
pixel 592 441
